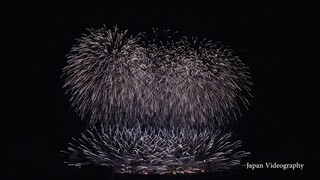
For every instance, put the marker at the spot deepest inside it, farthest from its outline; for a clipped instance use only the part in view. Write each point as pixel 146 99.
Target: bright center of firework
pixel 155 103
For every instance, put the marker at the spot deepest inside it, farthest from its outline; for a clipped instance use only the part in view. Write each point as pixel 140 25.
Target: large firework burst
pixel 115 77
pixel 159 100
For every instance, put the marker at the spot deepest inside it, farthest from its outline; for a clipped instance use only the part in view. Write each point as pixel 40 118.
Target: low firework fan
pixel 155 104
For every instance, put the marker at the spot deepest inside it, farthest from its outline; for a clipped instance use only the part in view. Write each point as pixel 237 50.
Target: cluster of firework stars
pixel 156 104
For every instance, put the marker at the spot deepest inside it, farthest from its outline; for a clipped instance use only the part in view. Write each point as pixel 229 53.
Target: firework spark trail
pixel 163 79
pixel 155 150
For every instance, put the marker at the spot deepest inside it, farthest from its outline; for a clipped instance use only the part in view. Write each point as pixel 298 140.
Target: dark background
pixel 275 40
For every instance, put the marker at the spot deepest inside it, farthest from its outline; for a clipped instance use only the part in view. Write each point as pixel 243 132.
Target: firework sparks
pixel 155 103
pixel 151 150
pixel 115 77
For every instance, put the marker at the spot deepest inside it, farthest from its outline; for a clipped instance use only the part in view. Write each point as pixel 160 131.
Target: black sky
pixel 275 40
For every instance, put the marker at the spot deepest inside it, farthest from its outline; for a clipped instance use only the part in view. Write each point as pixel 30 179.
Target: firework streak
pixel 155 102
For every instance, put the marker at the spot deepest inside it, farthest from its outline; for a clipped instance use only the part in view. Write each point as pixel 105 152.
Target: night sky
pixel 275 40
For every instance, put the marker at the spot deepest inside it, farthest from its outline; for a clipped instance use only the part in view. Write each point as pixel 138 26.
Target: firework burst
pixel 155 150
pixel 155 103
pixel 160 80
pixel 105 75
